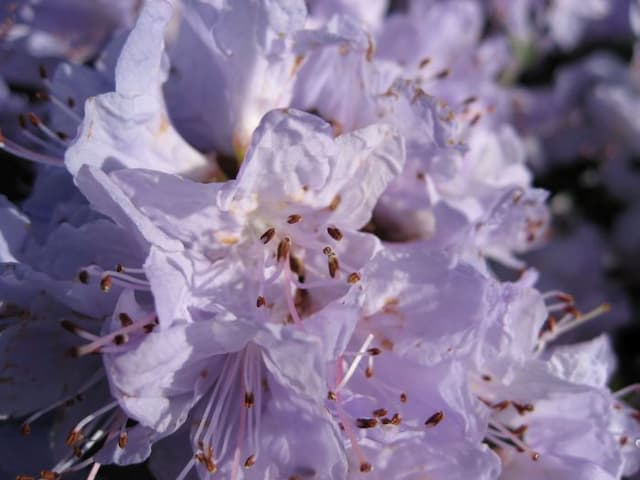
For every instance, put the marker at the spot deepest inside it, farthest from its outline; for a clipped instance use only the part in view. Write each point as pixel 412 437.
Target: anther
pixel 34 119
pixel 424 62
pixel 354 278
pixel 504 404
pixel 403 397
pixel 535 456
pixel 366 422
pixel 71 102
pixel 43 96
pixel 49 475
pixel 327 250
pixel 248 399
pixel 260 301
pixel 283 248
pixel 380 412
pixel 522 409
pixel 475 119
pixel 374 351
pixel 119 268
pixel 43 72
pixel 125 320
pixel 335 203
pixel 24 477
pixel 123 439
pixel 120 339
pixel 486 378
pixel 295 218
pixel 83 276
pixel 435 419
pixel 368 372
pixel 334 233
pixel 25 429
pixel 250 461
pixel 365 467
pixel 105 283
pixel 396 419
pixel 268 235
pixel 74 437
pixel 22 121
pixel 334 265
pixel 69 326
pixel 332 396
pixel 444 73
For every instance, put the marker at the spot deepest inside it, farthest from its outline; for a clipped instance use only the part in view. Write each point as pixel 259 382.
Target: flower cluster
pixel 263 244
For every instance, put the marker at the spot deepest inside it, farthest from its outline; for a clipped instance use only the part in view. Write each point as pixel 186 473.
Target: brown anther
pixel 260 301
pixel 69 326
pixel 522 409
pixel 403 397
pixel 1 138
pixel 208 462
pixel 83 276
pixel 424 62
pixel 49 475
pixel 334 266
pixel 148 328
pixel 125 320
pixel 71 102
pixel 24 477
pixel 535 456
pixel 73 352
pixel 248 399
pixel 334 233
pixel 332 395
pixel 365 467
pixel 475 119
pixel 74 437
pixel 105 283
pixel 486 378
pixel 354 278
pixel 268 235
pixel 43 96
pixel 123 439
pixel 25 429
pixel 327 250
pixel 43 72
pixel 120 339
pixel 368 372
pixel 34 119
pixel 295 218
pixel 297 266
pixel 435 419
pixel 396 419
pixel 335 203
pixel 520 430
pixel 119 268
pixel 380 412
pixel 283 248
pixel 623 440
pixel 366 422
pixel 22 121
pixel 504 404
pixel 374 351
pixel 62 135
pixel 250 461
pixel 443 73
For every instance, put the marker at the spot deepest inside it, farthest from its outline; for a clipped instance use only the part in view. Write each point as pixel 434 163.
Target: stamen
pixel 380 412
pixel 260 301
pixel 283 249
pixel 22 152
pixel 354 364
pixel 335 203
pixel 250 461
pixel 293 219
pixel 354 278
pixel 334 233
pixel 268 235
pixel 434 419
pixel 365 467
pixel 366 422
